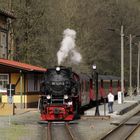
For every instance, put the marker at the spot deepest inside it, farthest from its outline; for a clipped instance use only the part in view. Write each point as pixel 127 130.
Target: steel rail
pixel 112 131
pixel 130 127
pixel 132 132
pixel 95 117
pixel 49 134
pixel 69 131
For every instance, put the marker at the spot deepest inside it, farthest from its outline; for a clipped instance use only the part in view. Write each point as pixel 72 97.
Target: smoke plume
pixel 68 48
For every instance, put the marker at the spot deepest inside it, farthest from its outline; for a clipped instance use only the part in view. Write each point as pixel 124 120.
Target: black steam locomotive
pixel 60 94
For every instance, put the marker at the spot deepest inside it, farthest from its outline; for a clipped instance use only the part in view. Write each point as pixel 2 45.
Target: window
pixel 33 82
pixel 3 45
pixel 4 80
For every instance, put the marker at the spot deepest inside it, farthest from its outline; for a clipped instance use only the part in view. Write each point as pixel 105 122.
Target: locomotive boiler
pixel 60 99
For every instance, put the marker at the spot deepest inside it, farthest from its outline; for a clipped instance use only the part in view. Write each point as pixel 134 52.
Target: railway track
pixel 60 131
pixel 49 134
pixel 125 130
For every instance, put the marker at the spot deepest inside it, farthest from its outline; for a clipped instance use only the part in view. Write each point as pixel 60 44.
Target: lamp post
pixel 130 55
pixel 131 37
pixel 122 62
pixel 95 82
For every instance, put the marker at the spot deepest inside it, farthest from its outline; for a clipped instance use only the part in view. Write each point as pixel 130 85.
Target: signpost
pixel 120 97
pixel 10 93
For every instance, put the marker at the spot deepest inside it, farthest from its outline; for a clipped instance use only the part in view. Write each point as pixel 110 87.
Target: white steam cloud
pixel 68 48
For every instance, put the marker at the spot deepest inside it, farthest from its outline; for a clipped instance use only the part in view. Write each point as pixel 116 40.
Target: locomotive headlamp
pixel 48 97
pixel 94 66
pixel 65 96
pixel 57 68
pixel 70 103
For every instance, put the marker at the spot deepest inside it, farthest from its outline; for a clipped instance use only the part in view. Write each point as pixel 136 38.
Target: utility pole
pixel 130 78
pixel 138 69
pixel 97 102
pixel 122 62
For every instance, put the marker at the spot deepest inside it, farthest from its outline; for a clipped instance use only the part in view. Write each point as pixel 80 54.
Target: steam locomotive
pixel 61 94
pixel 64 92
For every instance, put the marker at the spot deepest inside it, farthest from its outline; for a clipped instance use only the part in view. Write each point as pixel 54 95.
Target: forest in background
pixel 39 26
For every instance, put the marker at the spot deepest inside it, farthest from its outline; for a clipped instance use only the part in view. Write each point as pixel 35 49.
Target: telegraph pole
pixel 130 76
pixel 121 94
pixel 122 62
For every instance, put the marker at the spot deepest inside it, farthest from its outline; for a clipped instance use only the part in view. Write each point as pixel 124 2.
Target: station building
pixel 26 79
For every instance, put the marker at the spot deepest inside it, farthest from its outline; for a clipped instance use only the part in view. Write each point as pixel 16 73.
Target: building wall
pixel 29 96
pixel 27 100
pixel 15 79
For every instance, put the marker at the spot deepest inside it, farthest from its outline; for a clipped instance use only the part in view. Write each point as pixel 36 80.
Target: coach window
pixel 4 80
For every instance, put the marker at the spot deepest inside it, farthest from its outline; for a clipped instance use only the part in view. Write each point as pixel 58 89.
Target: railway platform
pixel 23 111
pixel 128 104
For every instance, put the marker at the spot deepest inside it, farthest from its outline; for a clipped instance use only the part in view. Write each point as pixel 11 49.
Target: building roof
pixel 7 13
pixel 5 63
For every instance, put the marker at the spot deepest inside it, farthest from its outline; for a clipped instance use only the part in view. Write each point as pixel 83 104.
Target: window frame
pixel 3 90
pixel 4 48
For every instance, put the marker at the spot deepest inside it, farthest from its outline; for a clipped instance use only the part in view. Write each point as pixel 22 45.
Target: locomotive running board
pixel 57 122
